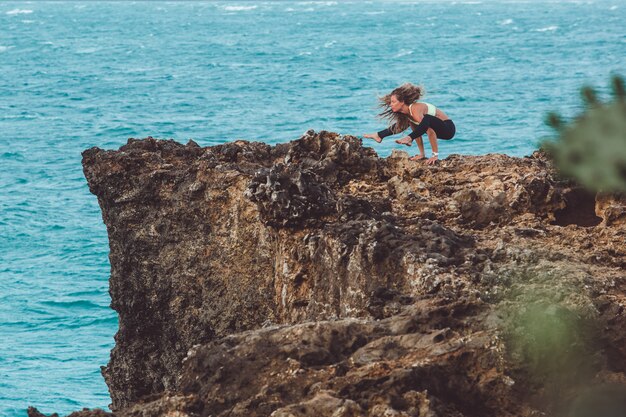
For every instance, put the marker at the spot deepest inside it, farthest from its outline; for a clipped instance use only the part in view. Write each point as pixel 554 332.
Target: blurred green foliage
pixel 554 344
pixel 591 149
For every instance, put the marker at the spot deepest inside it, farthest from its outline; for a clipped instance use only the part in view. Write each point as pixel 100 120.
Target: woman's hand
pixel 432 160
pixel 373 136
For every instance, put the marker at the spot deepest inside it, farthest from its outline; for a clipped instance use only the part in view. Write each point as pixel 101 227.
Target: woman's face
pixel 395 104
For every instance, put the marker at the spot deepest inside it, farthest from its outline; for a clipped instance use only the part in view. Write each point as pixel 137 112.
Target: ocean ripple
pixel 18 11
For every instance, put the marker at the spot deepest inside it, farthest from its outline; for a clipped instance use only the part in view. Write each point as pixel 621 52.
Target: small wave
pixel 4 48
pixel 19 116
pixel 613 8
pixel 403 52
pixel 19 324
pixel 505 22
pixel 324 3
pixel 72 304
pixel 12 155
pixel 94 292
pixel 329 44
pixel 83 322
pixel 18 11
pixel 238 8
pixel 375 13
pixel 104 320
pixel 28 21
pixel 546 29
pixel 86 50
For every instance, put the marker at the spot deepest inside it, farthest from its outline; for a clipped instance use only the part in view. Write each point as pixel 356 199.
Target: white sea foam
pixel 403 52
pixel 28 21
pixel 20 116
pixel 546 29
pixel 505 22
pixel 613 8
pixel 238 8
pixel 329 44
pixel 19 11
pixel 322 3
pixel 86 50
pixel 3 48
pixel 374 13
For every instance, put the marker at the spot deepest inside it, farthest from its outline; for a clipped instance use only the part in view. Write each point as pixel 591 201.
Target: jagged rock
pixel 359 364
pixel 289 196
pixel 611 208
pixel 314 278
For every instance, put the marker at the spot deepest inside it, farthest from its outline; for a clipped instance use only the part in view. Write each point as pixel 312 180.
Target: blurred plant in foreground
pixel 554 344
pixel 592 148
pixel 554 347
pixel 553 338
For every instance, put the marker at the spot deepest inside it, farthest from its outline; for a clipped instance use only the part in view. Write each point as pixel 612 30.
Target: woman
pixel 403 110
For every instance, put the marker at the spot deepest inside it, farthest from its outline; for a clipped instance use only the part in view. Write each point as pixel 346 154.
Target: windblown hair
pixel 406 93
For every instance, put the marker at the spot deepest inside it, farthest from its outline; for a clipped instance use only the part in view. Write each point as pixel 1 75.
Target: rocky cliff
pixel 314 278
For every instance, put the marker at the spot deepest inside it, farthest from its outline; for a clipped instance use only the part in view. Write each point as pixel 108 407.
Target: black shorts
pixel 444 129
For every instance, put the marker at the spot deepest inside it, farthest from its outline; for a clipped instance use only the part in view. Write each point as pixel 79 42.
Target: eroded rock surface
pixel 315 279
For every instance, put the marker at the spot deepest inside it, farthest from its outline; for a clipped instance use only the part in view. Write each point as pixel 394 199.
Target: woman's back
pixel 427 108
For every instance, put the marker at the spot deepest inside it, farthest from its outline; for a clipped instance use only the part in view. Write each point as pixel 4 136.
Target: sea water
pixel 79 74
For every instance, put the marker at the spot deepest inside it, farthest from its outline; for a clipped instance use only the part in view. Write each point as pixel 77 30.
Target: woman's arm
pixel 379 136
pixel 432 138
pixel 421 128
pixel 388 132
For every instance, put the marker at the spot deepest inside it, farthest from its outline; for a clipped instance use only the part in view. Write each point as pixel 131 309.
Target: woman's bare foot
pixel 404 141
pixel 417 158
pixel 373 136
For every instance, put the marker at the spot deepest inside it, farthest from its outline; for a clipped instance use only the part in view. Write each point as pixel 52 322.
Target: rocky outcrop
pixel 314 278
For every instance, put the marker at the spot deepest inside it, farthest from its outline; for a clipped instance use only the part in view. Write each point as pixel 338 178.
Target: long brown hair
pixel 406 93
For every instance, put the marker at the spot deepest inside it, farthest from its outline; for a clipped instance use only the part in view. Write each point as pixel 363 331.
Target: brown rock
pixel 314 278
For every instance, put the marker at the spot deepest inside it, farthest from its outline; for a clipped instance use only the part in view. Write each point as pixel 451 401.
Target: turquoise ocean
pixel 79 74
